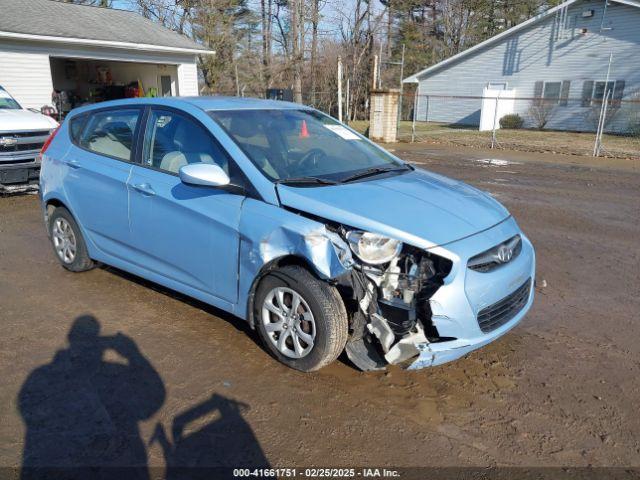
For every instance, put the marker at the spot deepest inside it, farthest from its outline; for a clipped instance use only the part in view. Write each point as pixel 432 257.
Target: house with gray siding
pixel 560 59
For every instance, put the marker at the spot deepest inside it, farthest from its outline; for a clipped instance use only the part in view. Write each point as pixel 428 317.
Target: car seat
pixel 191 146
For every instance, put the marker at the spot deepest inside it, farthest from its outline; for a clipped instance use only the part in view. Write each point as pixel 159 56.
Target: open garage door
pixel 78 82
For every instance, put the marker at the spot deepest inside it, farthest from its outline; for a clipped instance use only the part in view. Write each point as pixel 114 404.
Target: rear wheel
pixel 68 242
pixel 301 320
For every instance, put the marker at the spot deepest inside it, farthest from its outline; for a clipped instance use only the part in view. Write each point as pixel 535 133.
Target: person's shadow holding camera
pixel 83 411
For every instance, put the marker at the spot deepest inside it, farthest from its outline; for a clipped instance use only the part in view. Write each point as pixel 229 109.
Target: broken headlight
pixel 373 248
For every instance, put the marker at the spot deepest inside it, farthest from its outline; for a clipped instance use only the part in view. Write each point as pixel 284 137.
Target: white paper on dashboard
pixel 4 94
pixel 343 132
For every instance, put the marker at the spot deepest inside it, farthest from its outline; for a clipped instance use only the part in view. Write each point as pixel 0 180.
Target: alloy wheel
pixel 64 240
pixel 288 322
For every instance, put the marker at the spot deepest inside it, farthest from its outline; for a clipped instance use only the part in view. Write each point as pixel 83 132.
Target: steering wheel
pixel 312 158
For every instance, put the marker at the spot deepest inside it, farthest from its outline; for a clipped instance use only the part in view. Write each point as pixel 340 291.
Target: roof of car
pixel 238 103
pixel 204 103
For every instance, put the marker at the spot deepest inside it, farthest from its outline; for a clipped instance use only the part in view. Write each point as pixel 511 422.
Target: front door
pixel 186 234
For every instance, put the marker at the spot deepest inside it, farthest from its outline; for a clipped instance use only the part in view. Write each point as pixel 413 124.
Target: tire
pixel 327 324
pixel 74 257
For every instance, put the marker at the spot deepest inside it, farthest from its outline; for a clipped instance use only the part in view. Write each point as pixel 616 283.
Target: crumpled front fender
pixel 268 233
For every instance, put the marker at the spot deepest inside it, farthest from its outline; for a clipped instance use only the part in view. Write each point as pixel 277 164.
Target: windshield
pixel 7 102
pixel 303 144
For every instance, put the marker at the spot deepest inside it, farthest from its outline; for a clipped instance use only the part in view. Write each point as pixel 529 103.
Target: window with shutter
pixel 537 91
pixel 587 91
pixel 564 93
pixel 552 91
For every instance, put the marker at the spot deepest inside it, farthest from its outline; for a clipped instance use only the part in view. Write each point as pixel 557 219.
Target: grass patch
pixel 545 141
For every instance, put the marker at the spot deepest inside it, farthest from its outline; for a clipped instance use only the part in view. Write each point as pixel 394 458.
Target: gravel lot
pixel 560 389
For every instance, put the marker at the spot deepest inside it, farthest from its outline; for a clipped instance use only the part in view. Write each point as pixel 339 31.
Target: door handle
pixel 144 188
pixel 73 163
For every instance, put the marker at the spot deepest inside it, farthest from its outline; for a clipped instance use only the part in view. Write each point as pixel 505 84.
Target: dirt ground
pixel 561 389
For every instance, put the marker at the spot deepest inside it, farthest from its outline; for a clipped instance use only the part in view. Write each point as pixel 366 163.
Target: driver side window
pixel 172 140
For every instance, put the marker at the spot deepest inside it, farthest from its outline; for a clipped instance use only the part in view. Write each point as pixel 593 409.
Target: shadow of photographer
pixel 82 412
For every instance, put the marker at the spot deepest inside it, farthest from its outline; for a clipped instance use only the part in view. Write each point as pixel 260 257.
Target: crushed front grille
pixel 501 312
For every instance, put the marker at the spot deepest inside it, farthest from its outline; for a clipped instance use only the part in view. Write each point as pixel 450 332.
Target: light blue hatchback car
pixel 321 240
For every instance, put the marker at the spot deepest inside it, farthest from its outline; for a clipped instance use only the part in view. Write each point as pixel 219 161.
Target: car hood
pixel 24 121
pixel 420 208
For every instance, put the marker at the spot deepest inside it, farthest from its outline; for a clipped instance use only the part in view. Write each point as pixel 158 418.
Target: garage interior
pixel 78 82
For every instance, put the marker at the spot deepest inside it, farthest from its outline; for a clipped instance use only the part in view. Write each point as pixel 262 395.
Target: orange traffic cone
pixel 304 133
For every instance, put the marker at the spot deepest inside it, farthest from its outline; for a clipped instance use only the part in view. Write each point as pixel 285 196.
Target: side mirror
pixel 204 174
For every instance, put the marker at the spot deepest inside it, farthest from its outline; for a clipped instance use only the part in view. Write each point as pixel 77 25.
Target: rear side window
pixel 110 133
pixel 75 127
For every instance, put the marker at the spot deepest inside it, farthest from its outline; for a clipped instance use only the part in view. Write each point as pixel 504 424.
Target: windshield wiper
pixel 369 172
pixel 306 180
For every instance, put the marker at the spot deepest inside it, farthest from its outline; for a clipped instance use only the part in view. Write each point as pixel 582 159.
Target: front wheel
pixel 301 320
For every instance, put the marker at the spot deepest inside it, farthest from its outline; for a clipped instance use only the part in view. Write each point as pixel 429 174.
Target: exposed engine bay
pixel 391 315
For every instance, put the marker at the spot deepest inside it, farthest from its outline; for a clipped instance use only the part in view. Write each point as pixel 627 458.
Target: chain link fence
pixel 581 126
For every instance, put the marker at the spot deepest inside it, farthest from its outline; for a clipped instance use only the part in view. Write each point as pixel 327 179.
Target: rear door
pixel 98 167
pixel 186 234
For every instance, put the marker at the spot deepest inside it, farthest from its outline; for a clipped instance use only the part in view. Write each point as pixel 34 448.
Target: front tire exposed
pixel 301 320
pixel 68 242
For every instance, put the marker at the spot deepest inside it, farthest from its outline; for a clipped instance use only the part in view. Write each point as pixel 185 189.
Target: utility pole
pixel 374 83
pixel 348 100
pixel 401 86
pixel 379 72
pixel 237 82
pixel 340 89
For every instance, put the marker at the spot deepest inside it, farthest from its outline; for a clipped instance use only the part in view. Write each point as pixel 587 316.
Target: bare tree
pixel 315 20
pixel 458 19
pixel 173 14
pixel 266 16
pixel 540 111
pixel 296 50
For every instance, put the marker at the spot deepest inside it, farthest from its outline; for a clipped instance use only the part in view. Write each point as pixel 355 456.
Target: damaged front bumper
pixel 470 309
pixel 433 354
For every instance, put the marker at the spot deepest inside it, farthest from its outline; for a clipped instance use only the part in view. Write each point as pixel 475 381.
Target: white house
pixel 90 54
pixel 561 56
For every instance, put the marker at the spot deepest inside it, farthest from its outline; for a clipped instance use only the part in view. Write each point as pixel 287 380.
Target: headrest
pixel 242 126
pixel 118 128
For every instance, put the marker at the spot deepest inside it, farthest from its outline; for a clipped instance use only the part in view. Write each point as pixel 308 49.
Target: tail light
pixel 49 140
